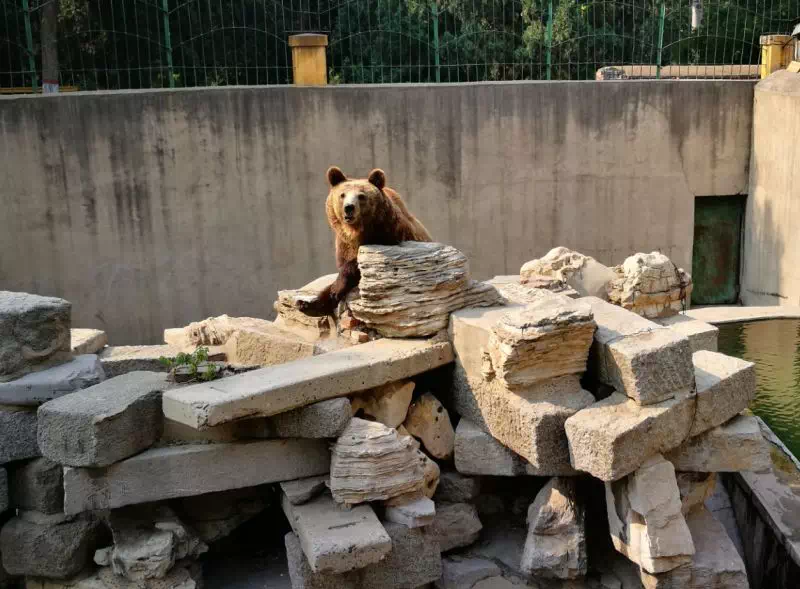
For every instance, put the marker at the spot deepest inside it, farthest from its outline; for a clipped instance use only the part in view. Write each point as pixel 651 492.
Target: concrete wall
pixel 771 244
pixel 152 209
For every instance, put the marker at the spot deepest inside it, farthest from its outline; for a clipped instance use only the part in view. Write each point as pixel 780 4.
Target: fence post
pixel 549 39
pixel 662 13
pixel 309 62
pixel 29 42
pixel 167 41
pixel 435 13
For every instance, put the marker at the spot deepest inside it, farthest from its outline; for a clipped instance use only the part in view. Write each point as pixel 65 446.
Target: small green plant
pixel 194 364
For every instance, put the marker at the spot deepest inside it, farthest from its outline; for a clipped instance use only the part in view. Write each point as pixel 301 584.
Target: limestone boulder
pixel 370 462
pixel 410 290
pixel 650 285
pixel 582 273
pixel 387 404
pixel 429 421
pixel 290 317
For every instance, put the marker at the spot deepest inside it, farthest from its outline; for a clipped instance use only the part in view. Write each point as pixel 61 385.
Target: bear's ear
pixel 377 178
pixel 335 176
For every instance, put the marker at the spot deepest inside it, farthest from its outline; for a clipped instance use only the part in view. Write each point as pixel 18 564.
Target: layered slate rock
pixel 735 446
pixel 275 389
pixel 410 290
pixel 18 427
pixel 200 468
pixel 290 317
pixel 38 387
pixel 387 404
pixel 37 486
pixel 548 338
pixel 105 423
pixel 118 360
pixel 429 421
pixel 455 525
pixel 701 335
pixel 725 387
pixel 647 362
pixel 556 542
pixel 87 341
pixel 645 519
pixel 715 564
pixel 514 293
pixel 371 462
pixel 34 333
pixel 650 285
pixel 613 437
pixel 582 273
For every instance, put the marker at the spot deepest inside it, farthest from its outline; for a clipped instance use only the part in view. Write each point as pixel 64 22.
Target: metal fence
pixel 113 44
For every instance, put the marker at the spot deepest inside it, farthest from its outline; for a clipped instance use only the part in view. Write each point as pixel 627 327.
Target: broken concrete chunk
pixel 38 486
pixel 119 360
pixel 387 404
pixel 556 542
pixel 701 335
pixel 429 421
pixel 55 551
pixel 409 290
pixel 105 423
pixel 87 341
pixel 455 525
pixel 715 564
pixel 303 490
pixel 695 488
pixel 41 386
pixel 370 462
pixel 735 446
pixel 326 419
pixel 335 539
pixel 200 468
pixel 478 453
pixel 463 572
pixel 34 333
pixel 645 519
pixel 17 434
pixel 544 340
pixel 582 273
pixel 650 285
pixel 414 513
pixel 725 386
pixel 613 437
pixel 454 487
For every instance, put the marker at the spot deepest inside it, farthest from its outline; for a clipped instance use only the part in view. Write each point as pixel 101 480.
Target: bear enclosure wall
pixel 151 209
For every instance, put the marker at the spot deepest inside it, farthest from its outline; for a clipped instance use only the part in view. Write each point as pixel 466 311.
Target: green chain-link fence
pixel 111 44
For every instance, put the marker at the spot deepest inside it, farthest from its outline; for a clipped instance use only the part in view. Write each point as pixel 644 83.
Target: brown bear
pixel 361 212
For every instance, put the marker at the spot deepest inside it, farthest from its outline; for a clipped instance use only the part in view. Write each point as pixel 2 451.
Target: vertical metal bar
pixel 167 41
pixel 29 42
pixel 435 13
pixel 549 39
pixel 662 11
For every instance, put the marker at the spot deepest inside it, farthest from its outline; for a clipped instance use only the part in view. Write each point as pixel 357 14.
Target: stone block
pixel 735 446
pixel 478 453
pixel 647 362
pixel 695 488
pixel 87 341
pixel 556 544
pixel 17 434
pixel 582 273
pixel 34 333
pixel 645 519
pixel 454 487
pixel 105 423
pixel 53 551
pixel 463 573
pixel 701 335
pixel 276 389
pixel 303 490
pixel 725 387
pixel 417 512
pixel 118 360
pixel 326 419
pixel 387 404
pixel 38 387
pixel 38 486
pixel 715 564
pixel 429 421
pixel 200 468
pixel 335 539
pixel 455 525
pixel 613 437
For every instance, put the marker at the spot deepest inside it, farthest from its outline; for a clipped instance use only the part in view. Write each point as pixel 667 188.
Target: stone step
pixel 275 389
pixel 184 471
pixel 725 387
pixel 38 387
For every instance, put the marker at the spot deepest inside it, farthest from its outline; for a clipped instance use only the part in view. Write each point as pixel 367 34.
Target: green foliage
pixel 193 362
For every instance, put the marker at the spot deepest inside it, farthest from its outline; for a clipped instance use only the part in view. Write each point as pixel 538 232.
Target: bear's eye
pixel 341 196
pixel 362 197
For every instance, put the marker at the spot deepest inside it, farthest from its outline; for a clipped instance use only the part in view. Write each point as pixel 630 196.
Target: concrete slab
pixel 275 389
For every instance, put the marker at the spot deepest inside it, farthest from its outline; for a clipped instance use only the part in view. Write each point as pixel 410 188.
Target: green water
pixel 774 347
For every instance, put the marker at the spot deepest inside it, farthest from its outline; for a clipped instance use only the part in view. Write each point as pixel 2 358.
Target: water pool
pixel 774 347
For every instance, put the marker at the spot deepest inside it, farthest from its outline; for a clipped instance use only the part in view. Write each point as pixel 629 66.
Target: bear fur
pixel 361 212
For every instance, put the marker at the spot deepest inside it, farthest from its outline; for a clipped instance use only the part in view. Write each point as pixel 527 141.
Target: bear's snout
pixel 349 209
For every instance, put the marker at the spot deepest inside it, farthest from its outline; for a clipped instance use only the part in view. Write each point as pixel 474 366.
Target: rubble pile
pixel 474 458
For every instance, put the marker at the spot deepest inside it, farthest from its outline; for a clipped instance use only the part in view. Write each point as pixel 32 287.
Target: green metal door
pixel 717 246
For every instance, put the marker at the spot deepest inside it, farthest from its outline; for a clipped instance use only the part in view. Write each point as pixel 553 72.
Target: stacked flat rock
pixel 650 285
pixel 290 317
pixel 410 290
pixel 562 268
pixel 372 462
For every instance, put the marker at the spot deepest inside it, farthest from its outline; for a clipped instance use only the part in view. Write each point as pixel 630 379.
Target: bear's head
pixel 354 202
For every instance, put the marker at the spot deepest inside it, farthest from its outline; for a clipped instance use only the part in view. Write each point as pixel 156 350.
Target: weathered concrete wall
pixel 151 209
pixel 771 244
